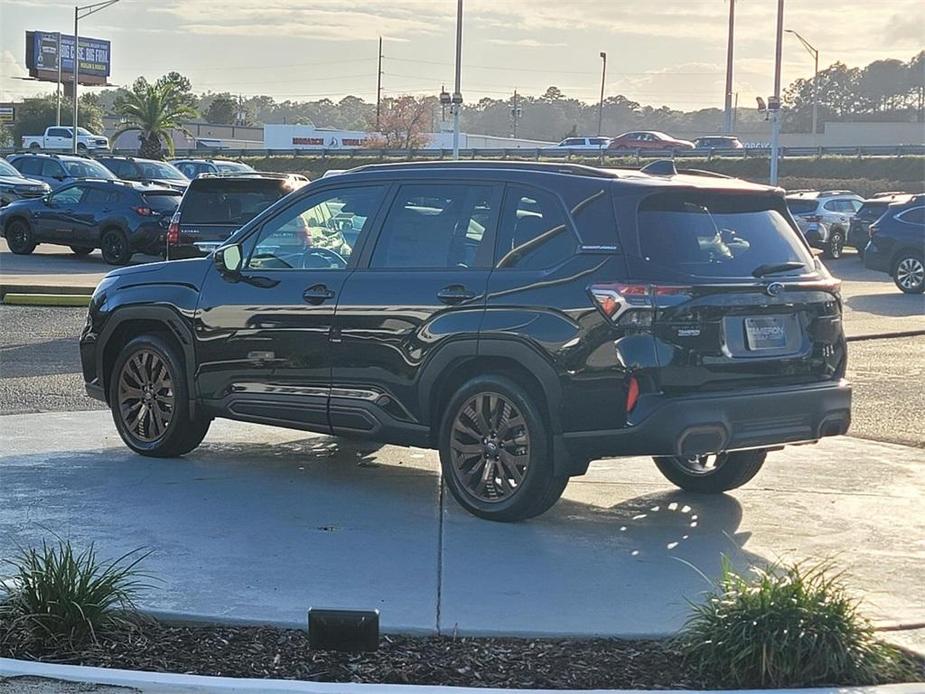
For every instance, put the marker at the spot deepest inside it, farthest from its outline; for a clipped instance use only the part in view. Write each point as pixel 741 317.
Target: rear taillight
pixel 632 393
pixel 173 231
pixel 143 211
pixel 634 305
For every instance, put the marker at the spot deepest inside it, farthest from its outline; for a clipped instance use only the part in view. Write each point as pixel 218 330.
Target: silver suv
pixel 824 217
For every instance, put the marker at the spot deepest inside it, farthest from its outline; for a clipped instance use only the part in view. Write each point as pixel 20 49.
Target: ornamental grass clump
pixel 786 626
pixel 63 598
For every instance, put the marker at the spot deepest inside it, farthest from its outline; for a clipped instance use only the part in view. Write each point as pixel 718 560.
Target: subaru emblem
pixel 775 288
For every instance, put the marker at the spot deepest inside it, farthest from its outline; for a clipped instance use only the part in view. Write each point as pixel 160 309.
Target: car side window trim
pixel 568 226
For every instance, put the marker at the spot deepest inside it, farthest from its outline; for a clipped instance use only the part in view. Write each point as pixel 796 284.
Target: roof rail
pixel 701 172
pixel 825 193
pixel 552 167
pixel 254 174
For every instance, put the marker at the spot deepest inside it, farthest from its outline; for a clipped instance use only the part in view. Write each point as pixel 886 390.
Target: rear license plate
pixel 766 333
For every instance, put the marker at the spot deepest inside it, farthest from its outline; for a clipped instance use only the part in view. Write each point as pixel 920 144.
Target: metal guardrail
pixel 550 153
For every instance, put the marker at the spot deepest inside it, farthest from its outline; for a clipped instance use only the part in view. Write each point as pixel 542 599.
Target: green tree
pixel 222 111
pixel 34 115
pixel 154 110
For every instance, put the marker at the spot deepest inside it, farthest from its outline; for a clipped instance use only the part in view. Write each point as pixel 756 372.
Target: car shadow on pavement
pixel 896 305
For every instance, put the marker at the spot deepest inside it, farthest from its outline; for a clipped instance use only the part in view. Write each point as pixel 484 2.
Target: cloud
pixel 527 43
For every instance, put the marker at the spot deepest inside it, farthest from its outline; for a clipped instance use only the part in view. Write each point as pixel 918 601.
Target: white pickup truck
pixel 62 138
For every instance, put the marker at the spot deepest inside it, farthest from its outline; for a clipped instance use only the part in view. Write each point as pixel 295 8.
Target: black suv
pixel 118 217
pixel 215 206
pixel 522 318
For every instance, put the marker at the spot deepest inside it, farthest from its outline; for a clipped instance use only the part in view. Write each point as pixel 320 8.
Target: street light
pixel 774 101
pixel 81 13
pixel 457 94
pixel 815 53
pixel 600 106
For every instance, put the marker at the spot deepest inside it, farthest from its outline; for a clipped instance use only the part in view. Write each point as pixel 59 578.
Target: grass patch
pixel 60 596
pixel 786 626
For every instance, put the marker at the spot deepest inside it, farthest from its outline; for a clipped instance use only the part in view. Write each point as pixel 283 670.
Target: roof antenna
pixel 661 167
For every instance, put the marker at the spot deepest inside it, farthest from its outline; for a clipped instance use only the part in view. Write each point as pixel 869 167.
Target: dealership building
pixel 307 137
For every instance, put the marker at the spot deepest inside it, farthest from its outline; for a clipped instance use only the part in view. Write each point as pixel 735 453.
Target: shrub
pixel 57 595
pixel 786 626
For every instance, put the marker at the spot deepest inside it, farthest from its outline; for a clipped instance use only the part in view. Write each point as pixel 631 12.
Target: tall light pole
pixel 600 106
pixel 58 88
pixel 774 102
pixel 457 94
pixel 80 13
pixel 815 54
pixel 727 124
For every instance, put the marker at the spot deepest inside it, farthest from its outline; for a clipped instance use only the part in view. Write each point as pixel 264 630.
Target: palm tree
pixel 154 110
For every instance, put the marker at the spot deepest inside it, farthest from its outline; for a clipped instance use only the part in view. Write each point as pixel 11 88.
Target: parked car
pixel 592 144
pixel 215 206
pixel 824 217
pixel 648 140
pixel 57 137
pixel 871 210
pixel 14 186
pixel 58 169
pixel 897 244
pixel 193 167
pixel 718 142
pixel 522 318
pixel 146 171
pixel 118 217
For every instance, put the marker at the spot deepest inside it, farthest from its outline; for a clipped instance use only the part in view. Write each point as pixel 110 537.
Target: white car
pixel 594 144
pixel 59 138
pixel 824 217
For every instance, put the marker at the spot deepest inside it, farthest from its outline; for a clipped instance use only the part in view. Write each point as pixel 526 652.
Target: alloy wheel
pixel 836 245
pixel 146 395
pixel 113 247
pixel 490 447
pixel 701 465
pixel 910 273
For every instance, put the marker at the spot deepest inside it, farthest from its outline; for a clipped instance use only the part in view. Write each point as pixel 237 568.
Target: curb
pixel 17 299
pixel 884 336
pixel 19 288
pixel 164 683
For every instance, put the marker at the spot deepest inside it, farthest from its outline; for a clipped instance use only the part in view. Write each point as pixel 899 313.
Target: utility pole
pixel 87 10
pixel 58 89
pixel 815 53
pixel 727 125
pixel 457 94
pixel 774 105
pixel 516 113
pixel 379 86
pixel 600 105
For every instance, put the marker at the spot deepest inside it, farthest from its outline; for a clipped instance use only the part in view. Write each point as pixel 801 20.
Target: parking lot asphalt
pixel 260 524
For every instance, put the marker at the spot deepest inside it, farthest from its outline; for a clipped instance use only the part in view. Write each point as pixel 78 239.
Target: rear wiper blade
pixel 772 268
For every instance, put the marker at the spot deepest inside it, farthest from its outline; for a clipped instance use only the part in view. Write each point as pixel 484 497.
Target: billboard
pixel 94 56
pixel 7 113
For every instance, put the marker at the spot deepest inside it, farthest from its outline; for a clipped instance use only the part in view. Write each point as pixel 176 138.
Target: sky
pixel 660 52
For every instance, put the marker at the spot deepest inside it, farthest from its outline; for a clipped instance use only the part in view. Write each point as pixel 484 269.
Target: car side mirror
pixel 228 260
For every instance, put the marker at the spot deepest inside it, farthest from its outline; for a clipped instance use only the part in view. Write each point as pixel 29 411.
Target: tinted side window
pixel 592 212
pixel 29 166
pixel 434 226
pixel 96 197
pixel 834 206
pixel 51 168
pixel 534 230
pixel 59 132
pixel 121 168
pixel 68 196
pixel 914 216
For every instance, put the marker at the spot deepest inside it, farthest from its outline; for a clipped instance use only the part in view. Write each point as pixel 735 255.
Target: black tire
pixel 81 250
pixel 909 273
pixel 141 396
pixel 835 246
pixel 521 434
pixel 35 146
pixel 115 248
pixel 19 237
pixel 729 471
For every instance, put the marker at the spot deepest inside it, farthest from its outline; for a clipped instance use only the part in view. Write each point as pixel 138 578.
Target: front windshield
pixel 87 169
pixel 6 169
pixel 153 169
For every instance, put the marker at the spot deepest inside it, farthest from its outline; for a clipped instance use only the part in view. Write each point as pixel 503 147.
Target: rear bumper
pixel 697 424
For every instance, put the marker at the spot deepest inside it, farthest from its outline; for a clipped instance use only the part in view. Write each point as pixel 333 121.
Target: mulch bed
pixel 265 652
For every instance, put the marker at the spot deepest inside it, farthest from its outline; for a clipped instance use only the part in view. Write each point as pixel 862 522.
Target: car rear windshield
pixel 162 201
pixel 871 210
pixel 717 235
pixel 802 206
pixel 232 167
pixel 154 169
pixel 226 201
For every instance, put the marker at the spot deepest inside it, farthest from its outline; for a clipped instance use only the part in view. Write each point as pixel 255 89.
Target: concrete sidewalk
pixel 259 524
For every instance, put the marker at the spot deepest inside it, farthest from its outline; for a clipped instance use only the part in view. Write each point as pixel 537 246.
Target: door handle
pixel 455 294
pixel 318 294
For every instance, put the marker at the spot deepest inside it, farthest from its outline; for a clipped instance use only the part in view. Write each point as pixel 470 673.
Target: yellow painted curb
pixel 13 299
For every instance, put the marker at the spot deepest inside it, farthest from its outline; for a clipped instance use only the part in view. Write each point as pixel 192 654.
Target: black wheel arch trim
pixel 171 320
